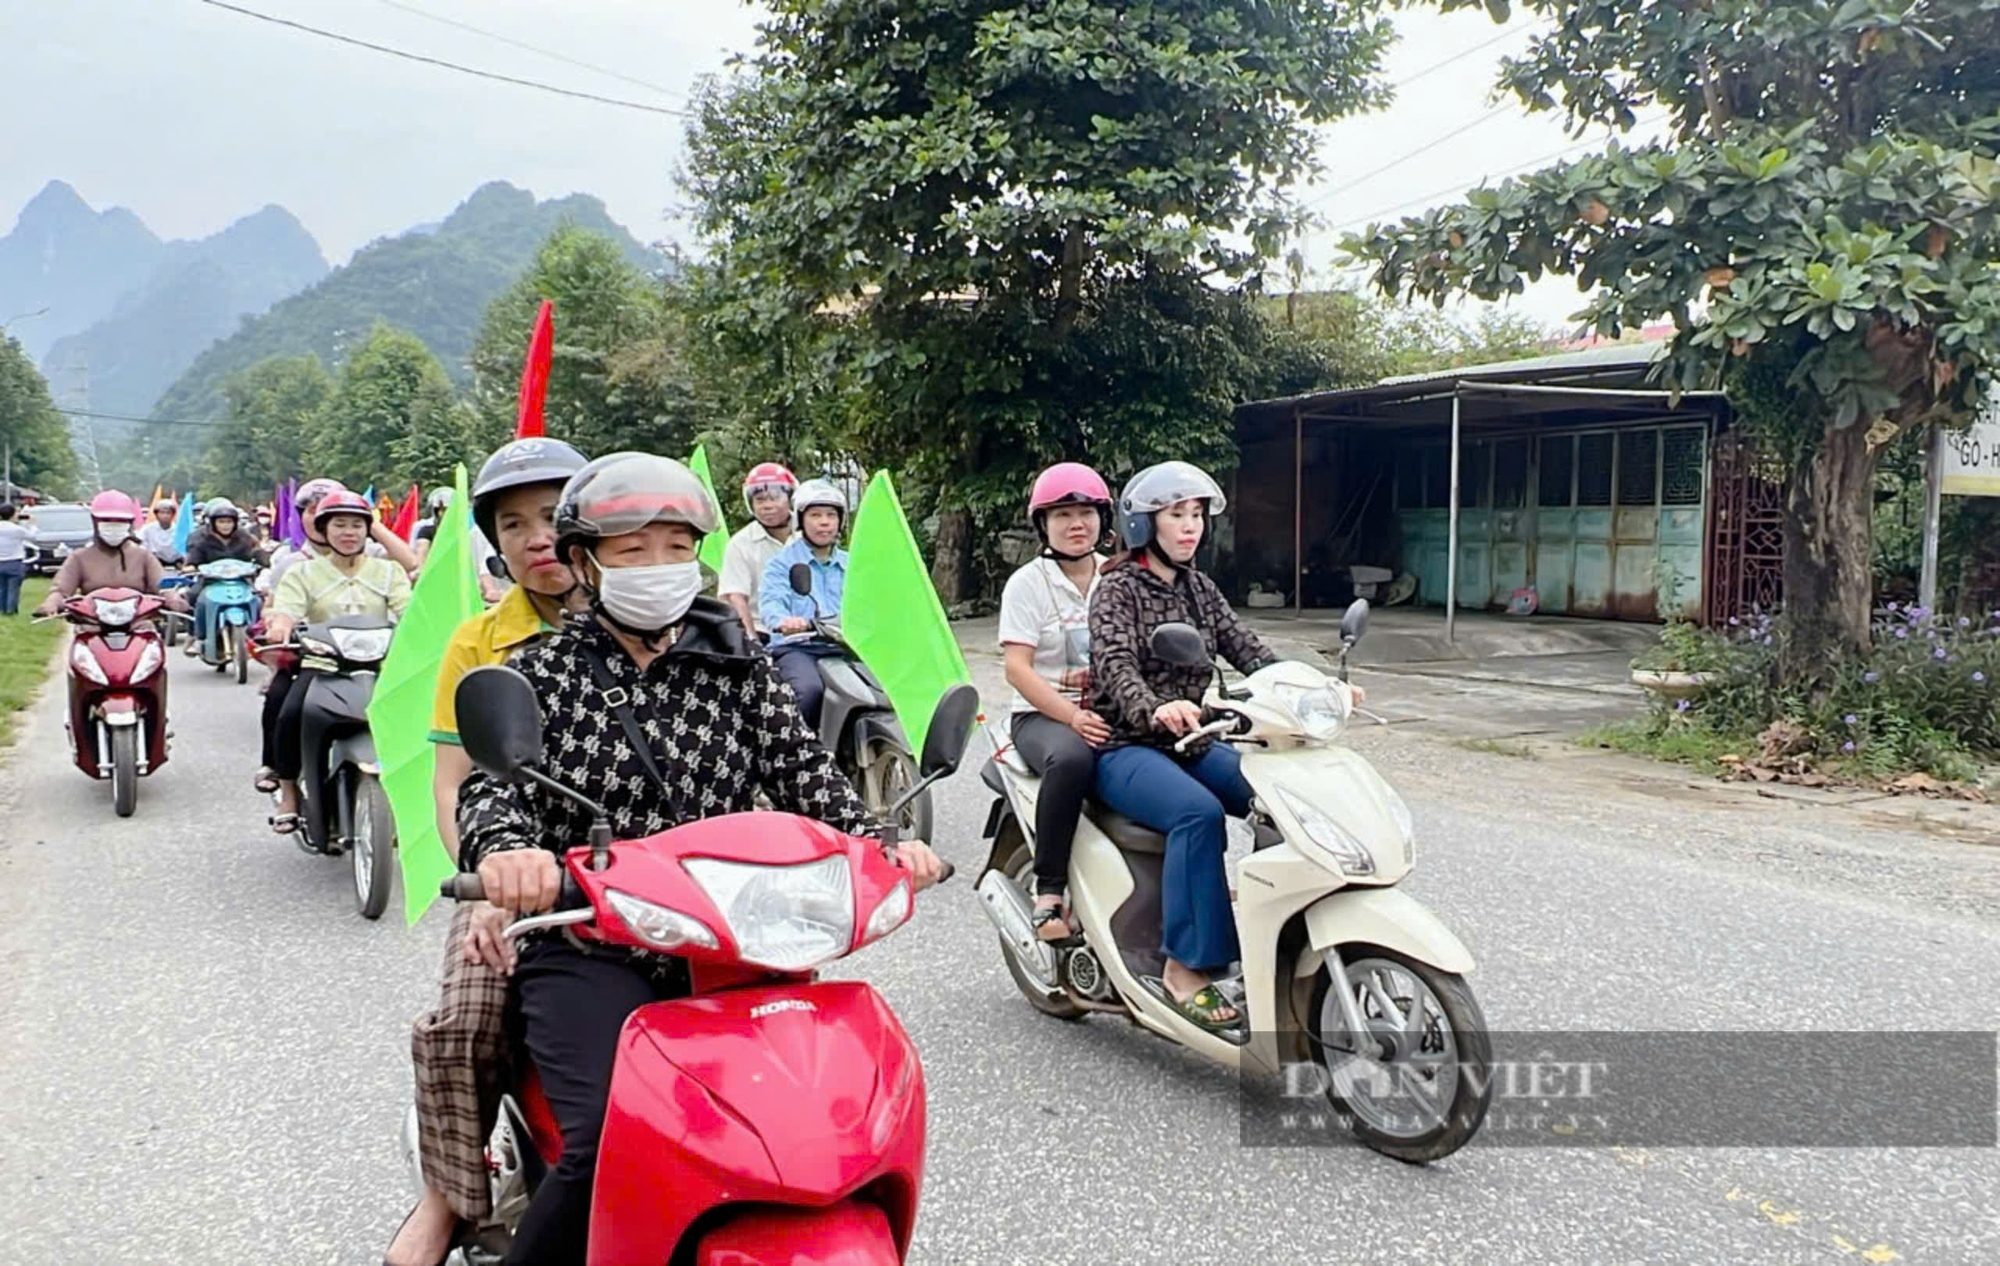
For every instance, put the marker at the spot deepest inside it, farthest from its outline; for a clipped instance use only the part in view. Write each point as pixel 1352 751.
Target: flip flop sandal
pixel 267 780
pixel 284 823
pixel 1047 915
pixel 1200 1007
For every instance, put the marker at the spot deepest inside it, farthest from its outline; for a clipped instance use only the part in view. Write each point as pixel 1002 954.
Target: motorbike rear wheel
pixel 124 770
pixel 374 847
pixel 1440 1057
pixel 887 773
pixel 239 650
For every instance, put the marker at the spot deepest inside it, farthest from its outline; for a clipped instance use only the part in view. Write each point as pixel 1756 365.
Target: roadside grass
pixel 1693 745
pixel 25 653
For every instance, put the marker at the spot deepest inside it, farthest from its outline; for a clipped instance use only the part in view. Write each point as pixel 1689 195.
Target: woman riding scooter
pixel 1045 636
pixel 1149 703
pixel 343 581
pixel 458 1047
pixel 221 539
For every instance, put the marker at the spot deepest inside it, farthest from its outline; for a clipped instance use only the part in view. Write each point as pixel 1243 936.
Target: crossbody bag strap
pixel 619 700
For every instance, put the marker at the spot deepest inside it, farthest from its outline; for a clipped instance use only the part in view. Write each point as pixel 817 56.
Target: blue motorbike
pixel 228 606
pixel 175 582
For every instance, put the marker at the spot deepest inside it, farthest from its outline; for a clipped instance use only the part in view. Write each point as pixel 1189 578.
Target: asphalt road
pixel 205 1048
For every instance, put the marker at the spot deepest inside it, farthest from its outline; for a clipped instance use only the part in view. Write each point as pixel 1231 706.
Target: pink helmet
pixel 113 506
pixel 1069 484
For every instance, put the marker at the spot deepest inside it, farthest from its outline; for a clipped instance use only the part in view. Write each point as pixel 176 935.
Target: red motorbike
pixel 769 1117
pixel 117 724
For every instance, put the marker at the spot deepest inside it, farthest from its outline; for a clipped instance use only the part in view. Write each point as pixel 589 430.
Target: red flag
pixel 535 373
pixel 406 518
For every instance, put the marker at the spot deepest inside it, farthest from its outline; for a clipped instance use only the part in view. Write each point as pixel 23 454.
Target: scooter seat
pixel 1129 835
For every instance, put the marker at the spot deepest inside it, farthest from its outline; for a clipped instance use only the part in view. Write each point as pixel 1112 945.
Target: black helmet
pixel 531 461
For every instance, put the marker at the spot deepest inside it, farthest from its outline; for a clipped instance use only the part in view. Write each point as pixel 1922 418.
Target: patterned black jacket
pixel 723 726
pixel 1129 682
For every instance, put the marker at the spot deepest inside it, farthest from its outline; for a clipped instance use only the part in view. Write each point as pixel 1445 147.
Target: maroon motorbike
pixel 117 724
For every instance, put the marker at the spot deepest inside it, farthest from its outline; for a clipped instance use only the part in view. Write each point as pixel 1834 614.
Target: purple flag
pixel 295 528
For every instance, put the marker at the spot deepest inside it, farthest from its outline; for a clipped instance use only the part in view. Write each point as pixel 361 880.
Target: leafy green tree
pixel 1821 226
pixel 617 375
pixel 270 410
pixel 922 211
pixel 392 418
pixel 1361 339
pixel 30 427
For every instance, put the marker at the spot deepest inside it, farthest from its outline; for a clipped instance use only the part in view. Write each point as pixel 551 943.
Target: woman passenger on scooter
pixel 304 502
pixel 459 1047
pixel 1149 703
pixel 657 660
pixel 343 581
pixel 1045 636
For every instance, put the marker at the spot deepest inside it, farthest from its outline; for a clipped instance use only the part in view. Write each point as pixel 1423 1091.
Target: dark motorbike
pixel 342 806
pixel 858 724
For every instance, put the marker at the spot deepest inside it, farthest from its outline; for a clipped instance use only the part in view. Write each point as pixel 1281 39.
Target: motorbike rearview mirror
pixel 497 567
pixel 802 580
pixel 1355 622
pixel 1180 644
pixel 951 730
pixel 499 721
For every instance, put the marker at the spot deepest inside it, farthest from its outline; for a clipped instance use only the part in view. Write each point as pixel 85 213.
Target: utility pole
pixel 76 400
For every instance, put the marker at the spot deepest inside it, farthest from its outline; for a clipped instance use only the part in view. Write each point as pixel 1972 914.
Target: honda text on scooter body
pixel 858 724
pixel 770 1116
pixel 342 807
pixel 117 723
pixel 1343 974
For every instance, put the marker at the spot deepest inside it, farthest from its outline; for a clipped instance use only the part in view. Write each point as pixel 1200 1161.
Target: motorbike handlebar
pixel 465 887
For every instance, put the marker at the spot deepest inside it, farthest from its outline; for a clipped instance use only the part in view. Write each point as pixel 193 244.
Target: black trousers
pixel 274 704
pixel 572 1005
pixel 291 743
pixel 1067 765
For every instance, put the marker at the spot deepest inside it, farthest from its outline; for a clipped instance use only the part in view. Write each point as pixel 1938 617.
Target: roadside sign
pixel 1971 466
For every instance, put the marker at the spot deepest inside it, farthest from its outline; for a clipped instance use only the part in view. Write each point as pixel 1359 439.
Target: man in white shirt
pixel 158 534
pixel 767 491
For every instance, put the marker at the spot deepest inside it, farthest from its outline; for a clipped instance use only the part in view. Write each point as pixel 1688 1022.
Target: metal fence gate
pixel 1746 549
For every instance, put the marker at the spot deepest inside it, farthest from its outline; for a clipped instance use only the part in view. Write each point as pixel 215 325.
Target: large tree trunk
pixel 1829 544
pixel 952 556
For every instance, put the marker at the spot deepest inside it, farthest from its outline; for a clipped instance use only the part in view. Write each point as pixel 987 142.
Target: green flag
pixel 717 541
pixel 399 715
pixel 891 616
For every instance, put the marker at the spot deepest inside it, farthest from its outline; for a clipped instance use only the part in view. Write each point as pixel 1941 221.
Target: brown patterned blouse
pixel 1129 681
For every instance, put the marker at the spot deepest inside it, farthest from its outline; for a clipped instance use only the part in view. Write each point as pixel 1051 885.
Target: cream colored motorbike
pixel 1352 989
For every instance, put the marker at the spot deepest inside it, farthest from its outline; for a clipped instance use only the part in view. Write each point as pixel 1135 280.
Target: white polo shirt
pixel 743 562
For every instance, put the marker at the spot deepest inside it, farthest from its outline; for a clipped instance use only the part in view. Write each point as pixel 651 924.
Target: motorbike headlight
pixel 149 663
pixel 361 646
pixel 889 915
pixel 659 927
pixel 1322 710
pixel 787 918
pixel 117 615
pixel 1352 854
pixel 86 664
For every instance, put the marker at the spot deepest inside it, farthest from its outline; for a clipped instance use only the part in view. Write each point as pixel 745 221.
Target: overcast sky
pixel 192 116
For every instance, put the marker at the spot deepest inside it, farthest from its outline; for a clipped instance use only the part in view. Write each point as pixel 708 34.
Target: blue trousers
pixel 1187 802
pixel 11 573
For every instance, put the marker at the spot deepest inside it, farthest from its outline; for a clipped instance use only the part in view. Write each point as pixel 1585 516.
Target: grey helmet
pixel 223 507
pixel 1157 487
pixel 536 460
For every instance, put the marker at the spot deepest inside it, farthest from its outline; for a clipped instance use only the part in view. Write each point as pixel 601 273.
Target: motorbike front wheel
pixel 374 847
pixel 887 774
pixel 125 770
pixel 239 650
pixel 1423 1093
pixel 1020 870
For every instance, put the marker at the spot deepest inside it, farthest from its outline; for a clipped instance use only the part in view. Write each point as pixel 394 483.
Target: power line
pixel 1425 199
pixel 530 48
pixel 126 417
pixel 1425 148
pixel 1461 55
pixel 437 61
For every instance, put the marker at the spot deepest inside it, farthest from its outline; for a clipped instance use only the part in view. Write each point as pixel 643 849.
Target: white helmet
pixel 818 492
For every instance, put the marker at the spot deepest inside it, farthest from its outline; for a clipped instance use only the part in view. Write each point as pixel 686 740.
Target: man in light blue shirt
pixel 820 511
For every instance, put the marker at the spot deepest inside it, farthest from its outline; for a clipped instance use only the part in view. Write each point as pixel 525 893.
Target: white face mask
pixel 648 598
pixel 114 534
